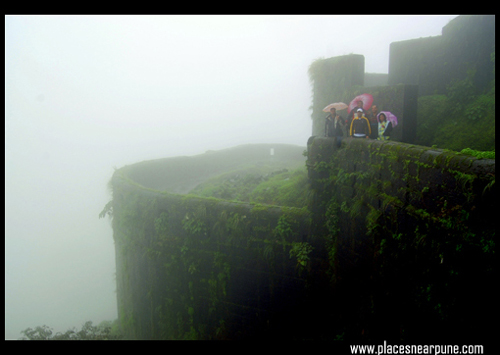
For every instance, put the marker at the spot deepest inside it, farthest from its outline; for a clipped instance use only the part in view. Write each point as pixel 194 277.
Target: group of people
pixel 359 124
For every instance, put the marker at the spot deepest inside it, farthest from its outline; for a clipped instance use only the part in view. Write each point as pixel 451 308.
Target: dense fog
pixel 87 94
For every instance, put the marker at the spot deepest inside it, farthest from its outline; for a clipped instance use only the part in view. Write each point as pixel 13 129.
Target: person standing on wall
pixel 384 127
pixel 334 125
pixel 360 126
pixel 353 112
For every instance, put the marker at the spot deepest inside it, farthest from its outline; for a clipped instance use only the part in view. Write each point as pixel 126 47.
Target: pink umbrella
pixel 390 118
pixel 367 102
pixel 337 105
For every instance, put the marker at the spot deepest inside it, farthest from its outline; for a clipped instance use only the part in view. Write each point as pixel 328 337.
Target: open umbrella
pixel 390 118
pixel 367 102
pixel 337 105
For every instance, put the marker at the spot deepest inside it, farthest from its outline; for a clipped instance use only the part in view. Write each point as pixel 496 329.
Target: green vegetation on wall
pixel 188 267
pixel 463 118
pixel 410 234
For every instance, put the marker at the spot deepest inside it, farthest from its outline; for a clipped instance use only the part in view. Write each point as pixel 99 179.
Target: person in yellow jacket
pixel 360 126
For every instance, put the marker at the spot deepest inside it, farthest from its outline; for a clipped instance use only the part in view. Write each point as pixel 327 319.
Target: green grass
pixel 288 188
pixel 259 184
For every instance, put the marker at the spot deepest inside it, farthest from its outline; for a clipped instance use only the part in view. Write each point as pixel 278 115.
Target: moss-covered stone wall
pixel 410 236
pixel 202 268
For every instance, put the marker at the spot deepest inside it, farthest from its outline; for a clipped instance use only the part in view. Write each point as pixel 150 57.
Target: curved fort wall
pixel 202 268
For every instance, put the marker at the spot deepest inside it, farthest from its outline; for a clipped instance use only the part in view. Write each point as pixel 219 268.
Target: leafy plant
pixel 284 227
pixel 479 154
pixel 107 210
pixel 301 251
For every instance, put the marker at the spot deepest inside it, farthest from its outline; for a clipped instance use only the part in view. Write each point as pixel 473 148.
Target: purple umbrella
pixel 367 102
pixel 390 118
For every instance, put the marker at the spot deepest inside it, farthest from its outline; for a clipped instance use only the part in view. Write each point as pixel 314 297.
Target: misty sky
pixel 84 94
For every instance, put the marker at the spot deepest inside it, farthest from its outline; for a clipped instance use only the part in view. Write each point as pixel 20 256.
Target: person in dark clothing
pixel 360 126
pixel 334 124
pixel 372 114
